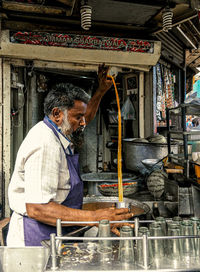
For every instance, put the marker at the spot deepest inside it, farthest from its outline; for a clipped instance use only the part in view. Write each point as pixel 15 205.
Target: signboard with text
pixel 82 41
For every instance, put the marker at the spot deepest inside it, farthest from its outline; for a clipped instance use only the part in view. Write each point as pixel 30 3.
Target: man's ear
pixel 57 116
pixel 56 112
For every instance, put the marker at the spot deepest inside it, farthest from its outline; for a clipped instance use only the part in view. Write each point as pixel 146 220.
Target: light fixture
pixel 167 15
pixel 86 15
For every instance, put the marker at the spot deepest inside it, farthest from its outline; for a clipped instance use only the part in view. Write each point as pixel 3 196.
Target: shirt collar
pixel 64 140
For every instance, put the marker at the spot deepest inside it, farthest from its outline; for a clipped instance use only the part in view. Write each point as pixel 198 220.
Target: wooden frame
pixel 39 9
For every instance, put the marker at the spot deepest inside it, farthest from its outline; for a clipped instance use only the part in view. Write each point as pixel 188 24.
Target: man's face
pixel 73 119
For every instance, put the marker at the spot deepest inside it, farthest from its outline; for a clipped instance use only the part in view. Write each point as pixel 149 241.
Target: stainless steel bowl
pixel 150 163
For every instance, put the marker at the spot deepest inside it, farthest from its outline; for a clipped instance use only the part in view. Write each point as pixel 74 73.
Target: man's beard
pixel 65 126
pixel 76 137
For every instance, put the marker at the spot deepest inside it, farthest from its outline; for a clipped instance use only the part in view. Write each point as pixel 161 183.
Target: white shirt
pixel 41 175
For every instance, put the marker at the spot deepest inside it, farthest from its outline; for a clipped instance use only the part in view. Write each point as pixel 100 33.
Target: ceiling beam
pixel 179 20
pixel 33 8
pixel 194 27
pixel 190 57
pixel 196 63
pixel 75 29
pixel 186 37
pixel 150 3
pixel 69 3
pixel 191 33
pixel 21 21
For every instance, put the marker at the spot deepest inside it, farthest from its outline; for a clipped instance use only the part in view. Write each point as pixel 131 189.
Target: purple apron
pixel 34 231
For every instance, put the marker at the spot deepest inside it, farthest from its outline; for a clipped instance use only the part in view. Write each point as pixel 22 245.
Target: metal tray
pixel 109 201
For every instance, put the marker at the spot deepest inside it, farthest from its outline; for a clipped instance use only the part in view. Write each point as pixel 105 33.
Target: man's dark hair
pixel 63 96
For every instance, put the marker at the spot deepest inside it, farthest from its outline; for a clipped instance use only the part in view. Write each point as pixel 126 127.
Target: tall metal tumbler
pixel 140 248
pixel 163 223
pixel 126 251
pixel 158 246
pixel 196 223
pixel 188 246
pixel 104 231
pixel 174 245
pixel 105 246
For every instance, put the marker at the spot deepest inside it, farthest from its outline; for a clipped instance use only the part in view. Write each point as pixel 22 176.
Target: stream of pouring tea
pixel 119 152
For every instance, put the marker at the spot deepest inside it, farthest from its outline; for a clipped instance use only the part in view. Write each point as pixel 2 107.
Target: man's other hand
pixel 104 83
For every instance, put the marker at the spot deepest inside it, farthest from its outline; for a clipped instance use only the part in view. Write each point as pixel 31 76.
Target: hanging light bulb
pixel 167 19
pixel 86 16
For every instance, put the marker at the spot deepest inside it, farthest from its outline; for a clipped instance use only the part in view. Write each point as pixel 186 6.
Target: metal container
pixel 101 202
pixel 95 179
pixel 135 152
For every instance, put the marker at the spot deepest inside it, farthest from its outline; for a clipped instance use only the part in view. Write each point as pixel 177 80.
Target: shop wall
pixel 148 105
pixel 1 128
pixel 88 152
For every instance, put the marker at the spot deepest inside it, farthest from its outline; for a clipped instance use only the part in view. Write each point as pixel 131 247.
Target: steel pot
pixel 135 152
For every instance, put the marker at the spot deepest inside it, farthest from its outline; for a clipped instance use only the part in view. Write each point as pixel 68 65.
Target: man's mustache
pixel 80 129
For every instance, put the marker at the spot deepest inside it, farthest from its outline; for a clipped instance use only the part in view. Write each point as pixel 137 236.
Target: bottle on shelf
pixel 155 210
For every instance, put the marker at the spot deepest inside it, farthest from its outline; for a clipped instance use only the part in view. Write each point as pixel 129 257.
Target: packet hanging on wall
pixel 128 111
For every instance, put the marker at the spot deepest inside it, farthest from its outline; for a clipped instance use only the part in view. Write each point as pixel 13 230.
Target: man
pixel 46 184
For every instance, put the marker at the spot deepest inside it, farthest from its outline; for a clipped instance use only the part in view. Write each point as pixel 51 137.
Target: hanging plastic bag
pixel 128 111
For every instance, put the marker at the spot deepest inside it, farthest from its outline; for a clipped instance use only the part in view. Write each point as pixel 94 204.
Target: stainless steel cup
pixel 162 221
pixel 104 231
pixel 158 246
pixel 104 246
pixel 174 251
pixel 188 246
pixel 126 251
pixel 140 250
